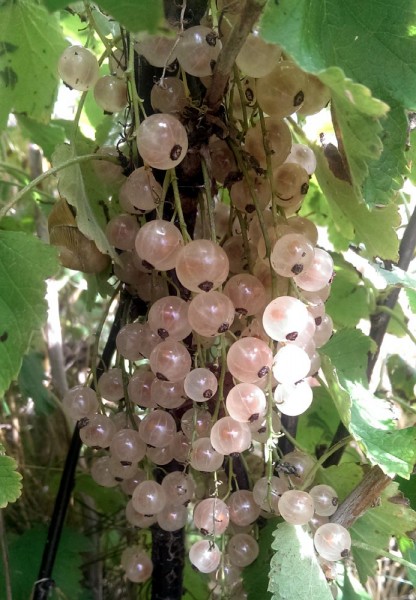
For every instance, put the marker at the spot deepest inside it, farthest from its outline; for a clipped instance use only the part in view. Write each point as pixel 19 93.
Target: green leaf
pixel 295 573
pixel 25 554
pixel 408 488
pixel 194 584
pixel 367 417
pixel 349 301
pixel 108 500
pixel 31 383
pixel 30 44
pixel 352 590
pixel 46 136
pixel 377 526
pixel 79 187
pixel 254 576
pixel 25 263
pixel 353 220
pixel 402 376
pixel 357 37
pixel 10 486
pixel 357 114
pixel 317 426
pixel 136 15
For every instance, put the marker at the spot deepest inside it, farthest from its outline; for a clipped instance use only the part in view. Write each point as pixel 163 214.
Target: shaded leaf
pixel 25 263
pixel 25 555
pixel 255 581
pixel 31 382
pixel 46 136
pixel 349 301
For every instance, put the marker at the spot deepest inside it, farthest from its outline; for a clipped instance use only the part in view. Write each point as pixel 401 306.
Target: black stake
pixel 44 582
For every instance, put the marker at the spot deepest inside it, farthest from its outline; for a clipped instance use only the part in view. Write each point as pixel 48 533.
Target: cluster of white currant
pixel 256 286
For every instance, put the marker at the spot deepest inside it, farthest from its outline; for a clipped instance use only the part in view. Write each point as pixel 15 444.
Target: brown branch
pixel 244 24
pixel 364 496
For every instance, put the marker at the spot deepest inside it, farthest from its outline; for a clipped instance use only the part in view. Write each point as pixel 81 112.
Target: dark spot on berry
pixel 83 422
pixel 211 39
pixel 148 515
pixel 234 454
pixel 296 269
pixel 241 311
pixel 262 429
pixel 175 152
pixel 206 286
pixel 161 376
pixel 332 277
pixel 292 336
pixel 162 333
pixel 263 372
pixel 318 321
pixel 253 417
pixel 299 98
pixel 118 479
pixel 204 531
pixel 212 64
pixel 345 553
pixel 126 463
pixel 207 394
pixel 249 94
pixel 303 254
pixel 250 208
pixel 223 328
pixel 304 189
pixel 237 333
pixel 334 501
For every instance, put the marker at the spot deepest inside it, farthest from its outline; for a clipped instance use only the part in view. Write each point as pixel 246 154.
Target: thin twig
pixel 244 24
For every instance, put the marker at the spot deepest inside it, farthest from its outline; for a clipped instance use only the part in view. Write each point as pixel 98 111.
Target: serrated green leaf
pixel 357 37
pixel 25 555
pixel 367 417
pixel 25 263
pixel 357 114
pixel 353 220
pixel 377 526
pixel 136 15
pixel 78 186
pixel 294 570
pixel 255 581
pixel 10 481
pixel 30 45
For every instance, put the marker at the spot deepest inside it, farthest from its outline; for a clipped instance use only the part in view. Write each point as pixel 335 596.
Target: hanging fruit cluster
pixel 235 284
